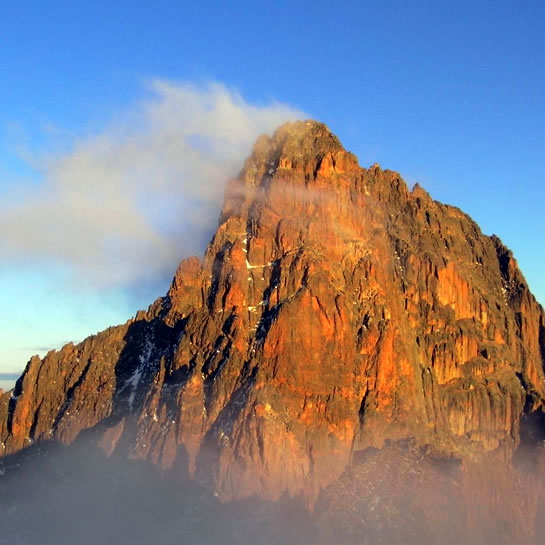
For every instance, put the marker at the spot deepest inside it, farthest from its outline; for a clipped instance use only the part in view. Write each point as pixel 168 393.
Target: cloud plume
pixel 124 205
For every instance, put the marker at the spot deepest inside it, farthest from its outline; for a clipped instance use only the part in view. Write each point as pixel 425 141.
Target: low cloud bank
pixel 123 206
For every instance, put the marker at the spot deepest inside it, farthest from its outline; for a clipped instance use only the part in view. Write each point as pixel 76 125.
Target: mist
pixel 64 495
pixel 399 495
pixel 122 206
pixel 98 231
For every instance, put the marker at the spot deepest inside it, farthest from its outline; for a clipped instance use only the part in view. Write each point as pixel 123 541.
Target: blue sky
pixel 448 93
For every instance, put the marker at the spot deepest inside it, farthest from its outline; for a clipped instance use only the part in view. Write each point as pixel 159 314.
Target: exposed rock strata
pixel 334 309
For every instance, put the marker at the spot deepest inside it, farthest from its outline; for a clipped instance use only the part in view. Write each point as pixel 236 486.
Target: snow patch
pixel 133 384
pixel 249 266
pixel 144 360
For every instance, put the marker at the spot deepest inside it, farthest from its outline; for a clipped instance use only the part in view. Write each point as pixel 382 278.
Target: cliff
pixel 334 312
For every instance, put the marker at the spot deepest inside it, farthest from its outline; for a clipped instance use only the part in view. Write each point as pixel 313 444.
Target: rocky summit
pixel 346 344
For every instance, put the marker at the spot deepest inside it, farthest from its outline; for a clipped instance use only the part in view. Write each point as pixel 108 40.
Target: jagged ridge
pixel 334 310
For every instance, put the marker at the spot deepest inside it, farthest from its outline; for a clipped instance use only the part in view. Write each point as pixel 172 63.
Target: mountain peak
pixel 311 136
pixel 333 313
pixel 307 135
pixel 300 145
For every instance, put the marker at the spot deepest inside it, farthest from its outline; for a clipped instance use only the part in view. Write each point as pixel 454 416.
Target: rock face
pixel 334 312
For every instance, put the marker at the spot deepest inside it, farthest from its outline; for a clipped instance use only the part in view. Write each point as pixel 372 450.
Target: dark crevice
pixel 17 391
pixel 35 421
pixel 70 394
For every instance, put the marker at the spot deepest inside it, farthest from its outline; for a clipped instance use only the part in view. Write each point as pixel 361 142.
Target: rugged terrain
pixel 345 341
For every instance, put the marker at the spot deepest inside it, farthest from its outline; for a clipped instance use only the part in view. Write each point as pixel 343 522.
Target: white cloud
pixel 125 205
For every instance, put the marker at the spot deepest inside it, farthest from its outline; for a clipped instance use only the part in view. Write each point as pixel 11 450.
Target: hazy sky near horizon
pixel 120 123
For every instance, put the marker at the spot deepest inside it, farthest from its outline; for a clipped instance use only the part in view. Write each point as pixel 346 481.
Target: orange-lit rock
pixel 334 310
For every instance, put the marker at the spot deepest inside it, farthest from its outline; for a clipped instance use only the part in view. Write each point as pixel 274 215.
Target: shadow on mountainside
pixel 56 494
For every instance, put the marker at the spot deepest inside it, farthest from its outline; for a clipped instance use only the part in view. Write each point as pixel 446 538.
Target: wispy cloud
pixel 45 348
pixel 9 376
pixel 124 205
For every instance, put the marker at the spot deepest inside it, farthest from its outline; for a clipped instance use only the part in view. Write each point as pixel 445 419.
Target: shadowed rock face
pixel 334 310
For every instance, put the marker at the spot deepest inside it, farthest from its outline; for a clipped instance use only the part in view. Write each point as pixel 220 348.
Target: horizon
pixel 120 127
